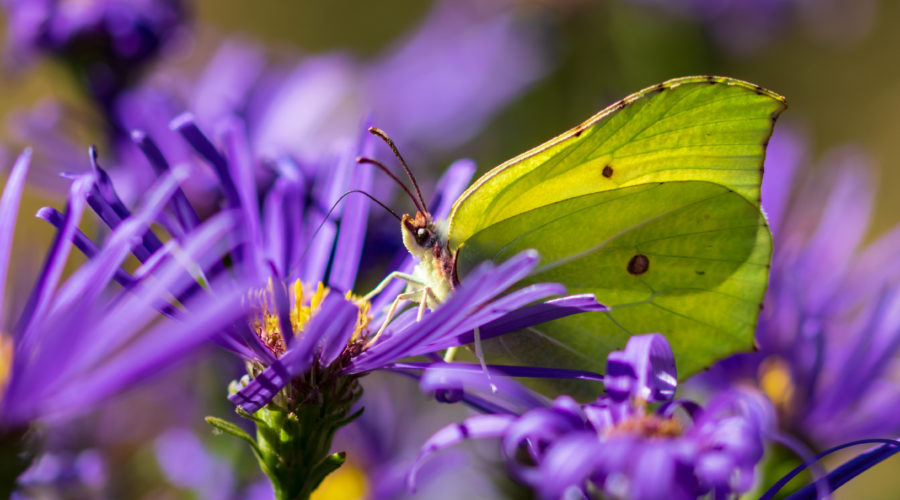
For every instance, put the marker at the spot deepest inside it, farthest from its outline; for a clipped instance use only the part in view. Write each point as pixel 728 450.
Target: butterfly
pixel 652 205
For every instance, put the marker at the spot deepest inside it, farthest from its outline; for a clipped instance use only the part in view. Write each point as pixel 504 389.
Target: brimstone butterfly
pixel 652 204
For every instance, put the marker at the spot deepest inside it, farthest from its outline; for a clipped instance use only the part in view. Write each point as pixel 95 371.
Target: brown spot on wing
pixel 639 264
pixel 607 171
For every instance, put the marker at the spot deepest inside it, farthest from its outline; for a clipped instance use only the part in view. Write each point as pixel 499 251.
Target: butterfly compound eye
pixel 421 236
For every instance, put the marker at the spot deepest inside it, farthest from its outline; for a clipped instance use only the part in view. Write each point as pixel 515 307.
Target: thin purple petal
pixel 9 209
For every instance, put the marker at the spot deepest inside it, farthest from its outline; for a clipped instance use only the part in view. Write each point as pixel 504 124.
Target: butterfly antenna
pixel 383 135
pixel 328 215
pixel 363 160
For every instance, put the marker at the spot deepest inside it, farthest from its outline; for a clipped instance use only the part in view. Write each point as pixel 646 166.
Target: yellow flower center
pixel 776 382
pixel 347 483
pixel 648 426
pixel 305 302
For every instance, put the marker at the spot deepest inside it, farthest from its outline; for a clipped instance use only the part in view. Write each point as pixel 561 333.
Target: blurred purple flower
pixel 830 325
pixel 616 445
pixel 107 43
pixel 84 338
pixel 83 474
pixel 310 111
pixel 187 463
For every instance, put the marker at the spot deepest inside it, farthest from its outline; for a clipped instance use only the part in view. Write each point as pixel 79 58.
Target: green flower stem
pixel 294 435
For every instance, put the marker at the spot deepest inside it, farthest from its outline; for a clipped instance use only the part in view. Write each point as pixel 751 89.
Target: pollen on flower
pixel 6 358
pixel 305 302
pixel 648 426
pixel 303 305
pixel 363 318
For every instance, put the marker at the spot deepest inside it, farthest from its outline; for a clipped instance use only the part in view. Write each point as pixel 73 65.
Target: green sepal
pixel 229 428
pixel 294 434
pixel 331 463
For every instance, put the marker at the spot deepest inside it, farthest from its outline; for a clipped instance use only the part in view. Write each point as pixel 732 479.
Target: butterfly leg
pixel 390 314
pixel 427 293
pixel 409 278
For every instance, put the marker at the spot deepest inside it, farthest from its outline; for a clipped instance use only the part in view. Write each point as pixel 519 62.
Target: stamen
pixel 648 426
pixel 305 303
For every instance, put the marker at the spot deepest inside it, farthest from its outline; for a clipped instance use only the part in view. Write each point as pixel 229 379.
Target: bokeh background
pixel 836 61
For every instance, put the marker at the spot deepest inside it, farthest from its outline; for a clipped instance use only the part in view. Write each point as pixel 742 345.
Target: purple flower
pixel 617 446
pixel 187 463
pixel 829 330
pixel 80 339
pixel 309 110
pixel 107 43
pixel 85 473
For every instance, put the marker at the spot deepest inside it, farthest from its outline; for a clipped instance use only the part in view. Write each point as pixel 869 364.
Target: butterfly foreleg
pixel 391 312
pixel 408 278
pixel 427 294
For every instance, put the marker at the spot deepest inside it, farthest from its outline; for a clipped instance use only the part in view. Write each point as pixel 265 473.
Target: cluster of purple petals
pixel 107 42
pixel 830 318
pixel 617 445
pixel 83 338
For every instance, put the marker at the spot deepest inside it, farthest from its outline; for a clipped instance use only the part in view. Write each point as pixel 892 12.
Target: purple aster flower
pixel 110 332
pixel 617 446
pixel 829 331
pixel 106 43
pixel 100 330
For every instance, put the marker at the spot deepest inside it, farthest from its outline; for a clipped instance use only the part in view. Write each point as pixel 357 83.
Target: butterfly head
pixel 426 240
pixel 420 234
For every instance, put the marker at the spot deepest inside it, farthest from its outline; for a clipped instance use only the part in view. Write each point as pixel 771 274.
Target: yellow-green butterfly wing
pixel 653 206
pixel 700 128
